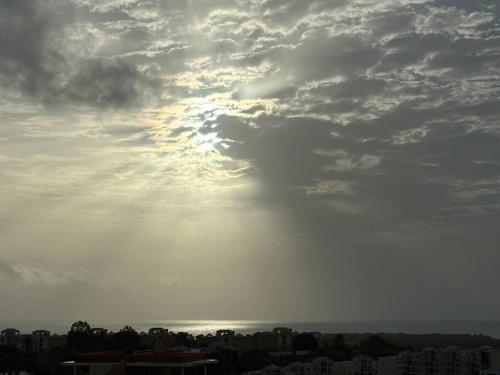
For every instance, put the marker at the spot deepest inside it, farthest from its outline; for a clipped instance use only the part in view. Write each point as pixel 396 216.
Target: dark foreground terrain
pixel 24 353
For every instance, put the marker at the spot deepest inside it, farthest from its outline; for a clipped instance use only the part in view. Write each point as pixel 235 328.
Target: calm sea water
pixel 490 328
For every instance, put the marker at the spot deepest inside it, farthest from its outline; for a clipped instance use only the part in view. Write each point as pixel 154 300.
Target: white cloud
pixel 41 276
pixel 452 20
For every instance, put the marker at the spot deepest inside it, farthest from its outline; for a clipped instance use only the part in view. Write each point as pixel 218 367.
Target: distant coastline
pixel 196 327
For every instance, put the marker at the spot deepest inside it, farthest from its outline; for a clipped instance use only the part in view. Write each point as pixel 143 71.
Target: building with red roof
pixel 146 363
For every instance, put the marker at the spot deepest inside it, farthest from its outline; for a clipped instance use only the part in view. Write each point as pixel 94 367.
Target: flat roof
pixel 142 359
pixel 144 364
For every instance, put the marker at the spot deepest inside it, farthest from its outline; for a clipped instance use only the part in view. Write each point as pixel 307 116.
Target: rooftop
pixel 167 359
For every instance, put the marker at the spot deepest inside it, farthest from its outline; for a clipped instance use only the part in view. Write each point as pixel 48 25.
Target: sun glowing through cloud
pixel 263 157
pixel 207 142
pixel 181 135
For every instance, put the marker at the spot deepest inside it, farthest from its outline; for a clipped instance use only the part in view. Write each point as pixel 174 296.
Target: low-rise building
pixel 318 366
pixel 322 366
pixel 449 361
pixel 271 370
pixel 298 368
pixel 344 368
pixel 140 363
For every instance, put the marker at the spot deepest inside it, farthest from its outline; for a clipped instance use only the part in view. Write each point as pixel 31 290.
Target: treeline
pixel 80 338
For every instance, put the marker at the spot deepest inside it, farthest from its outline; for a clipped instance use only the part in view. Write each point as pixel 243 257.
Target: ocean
pixel 196 327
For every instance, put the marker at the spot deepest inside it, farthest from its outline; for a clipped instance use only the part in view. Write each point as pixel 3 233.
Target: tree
pixel 377 346
pixel 80 326
pixel 79 337
pixel 126 339
pixel 304 341
pixel 339 350
pixel 184 339
pixel 128 329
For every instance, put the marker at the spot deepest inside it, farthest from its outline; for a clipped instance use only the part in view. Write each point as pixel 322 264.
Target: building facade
pixel 148 363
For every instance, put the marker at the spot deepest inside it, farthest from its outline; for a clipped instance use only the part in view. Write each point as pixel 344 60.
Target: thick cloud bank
pixel 350 149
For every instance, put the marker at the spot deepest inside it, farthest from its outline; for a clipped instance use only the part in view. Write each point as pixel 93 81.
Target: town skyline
pixel 279 351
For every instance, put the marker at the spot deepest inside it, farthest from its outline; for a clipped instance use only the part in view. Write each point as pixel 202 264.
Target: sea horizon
pixel 206 326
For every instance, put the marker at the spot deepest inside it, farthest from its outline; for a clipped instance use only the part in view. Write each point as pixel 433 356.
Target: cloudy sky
pixel 249 159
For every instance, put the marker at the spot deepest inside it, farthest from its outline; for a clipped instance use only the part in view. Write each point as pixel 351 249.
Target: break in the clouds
pixel 250 159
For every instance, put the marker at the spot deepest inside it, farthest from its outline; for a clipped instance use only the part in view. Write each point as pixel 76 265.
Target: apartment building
pixel 364 365
pixel 406 363
pixel 11 337
pixel 40 340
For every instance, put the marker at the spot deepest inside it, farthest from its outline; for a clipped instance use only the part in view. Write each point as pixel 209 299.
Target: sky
pixel 319 160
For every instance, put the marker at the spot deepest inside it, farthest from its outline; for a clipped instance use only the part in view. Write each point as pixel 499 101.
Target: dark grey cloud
pixel 113 84
pixel 29 57
pixel 8 272
pixel 35 59
pixel 421 200
pixel 403 164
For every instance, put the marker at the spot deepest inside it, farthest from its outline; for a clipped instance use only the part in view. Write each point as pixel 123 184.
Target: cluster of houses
pixel 448 361
pixel 279 340
pixel 322 366
pixel 39 340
